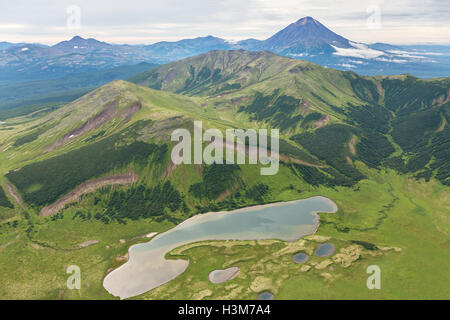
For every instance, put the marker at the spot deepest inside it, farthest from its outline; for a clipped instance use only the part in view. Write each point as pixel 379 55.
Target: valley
pixel 392 196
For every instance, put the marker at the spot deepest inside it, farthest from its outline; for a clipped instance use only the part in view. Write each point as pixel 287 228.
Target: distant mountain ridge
pixel 306 39
pixel 78 42
pixel 306 35
pixel 26 97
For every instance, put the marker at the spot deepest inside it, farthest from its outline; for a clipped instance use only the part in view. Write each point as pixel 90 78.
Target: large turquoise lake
pixel 147 268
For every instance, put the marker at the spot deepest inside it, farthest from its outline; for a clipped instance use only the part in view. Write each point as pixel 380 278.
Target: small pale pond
pixel 300 257
pixel 266 295
pixel 324 250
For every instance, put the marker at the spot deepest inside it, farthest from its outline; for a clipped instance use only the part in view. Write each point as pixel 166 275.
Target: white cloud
pixel 146 21
pixel 357 61
pixel 392 60
pixel 346 65
pixel 359 50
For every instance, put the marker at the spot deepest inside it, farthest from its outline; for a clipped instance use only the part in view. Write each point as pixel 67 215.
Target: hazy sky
pixel 149 21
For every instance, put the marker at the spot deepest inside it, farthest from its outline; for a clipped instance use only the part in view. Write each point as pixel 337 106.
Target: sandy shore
pixel 221 276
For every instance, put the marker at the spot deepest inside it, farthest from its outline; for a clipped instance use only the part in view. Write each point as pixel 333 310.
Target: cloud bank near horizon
pixel 139 21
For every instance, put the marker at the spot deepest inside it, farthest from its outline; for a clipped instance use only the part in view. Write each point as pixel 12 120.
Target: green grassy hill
pixel 382 114
pixel 377 146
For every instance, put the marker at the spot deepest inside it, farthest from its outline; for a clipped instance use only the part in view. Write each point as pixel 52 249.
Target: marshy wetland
pixel 147 267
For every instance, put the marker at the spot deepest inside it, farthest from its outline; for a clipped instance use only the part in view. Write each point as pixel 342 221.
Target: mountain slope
pixel 306 39
pixel 171 51
pixel 306 35
pixel 29 62
pixel 206 73
pixel 79 43
pixel 89 138
pixel 101 167
pixel 329 120
pixel 297 96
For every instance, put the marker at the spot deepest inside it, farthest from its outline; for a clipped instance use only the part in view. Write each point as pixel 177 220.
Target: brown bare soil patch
pixel 269 153
pixel 379 88
pixel 442 126
pixel 322 121
pixel 104 116
pixel 351 145
pixel 443 100
pixel 227 193
pixel 4 246
pixel 13 194
pixel 171 168
pixel 131 111
pixel 108 113
pixel 298 161
pixel 36 246
pixel 87 243
pixel 124 258
pixel 199 170
pixel 170 77
pixel 349 160
pixel 304 107
pixel 87 187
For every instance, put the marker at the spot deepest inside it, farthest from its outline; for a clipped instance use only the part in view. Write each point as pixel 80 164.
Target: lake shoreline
pixel 132 278
pixel 220 214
